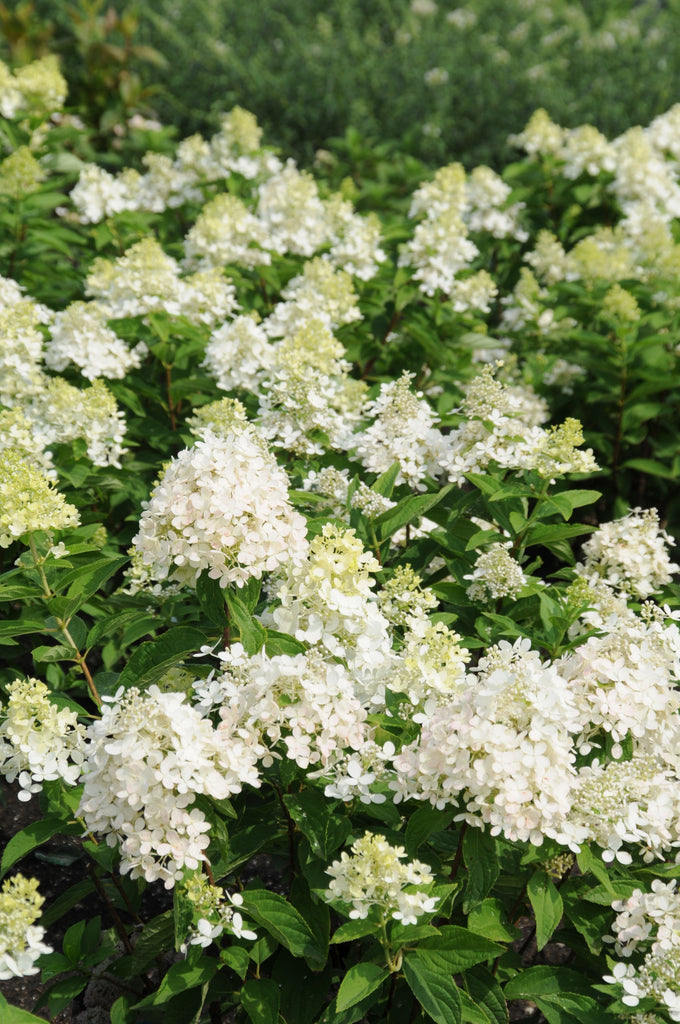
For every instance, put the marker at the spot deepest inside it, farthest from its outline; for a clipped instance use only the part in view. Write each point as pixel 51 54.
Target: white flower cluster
pixel 299 706
pixel 38 740
pixel 235 148
pixel 147 758
pixel 504 743
pixel 499 423
pixel 376 874
pixel 328 601
pixel 20 938
pixel 496 574
pixel 29 500
pixel 61 413
pixel 239 355
pixel 146 280
pixel 308 401
pixel 403 430
pixel 647 931
pixel 37 88
pixel 80 336
pixel 318 293
pixel 453 205
pixel 220 506
pixel 215 911
pixel 631 554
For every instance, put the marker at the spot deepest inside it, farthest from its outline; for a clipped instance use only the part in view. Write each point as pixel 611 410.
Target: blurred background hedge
pixel 444 82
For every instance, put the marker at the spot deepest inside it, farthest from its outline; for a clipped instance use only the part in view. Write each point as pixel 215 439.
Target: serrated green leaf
pixel 237 958
pixel 313 814
pixel 182 915
pixel 434 988
pixel 407 511
pixel 358 983
pixel 252 633
pixel 481 860
pixel 283 922
pixel 352 930
pixel 152 659
pixel 457 949
pixel 546 903
pixel 487 994
pixel 35 834
pixel 260 999
pixel 423 823
pixel 543 980
pixel 489 919
pixel 181 977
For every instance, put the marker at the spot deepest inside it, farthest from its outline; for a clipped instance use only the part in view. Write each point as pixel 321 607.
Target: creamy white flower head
pixel 354 239
pixel 215 911
pixel 239 355
pixel 80 336
pixel 503 745
pixel 439 250
pixel 496 574
pixel 404 430
pixel 303 707
pixel 541 135
pixel 226 232
pixel 376 874
pixel 308 400
pixel 631 553
pixel 328 601
pixel 29 500
pixel 220 506
pixel 292 212
pixel 62 413
pixel 147 758
pixel 20 938
pixel 38 740
pixel 146 280
pixel 319 293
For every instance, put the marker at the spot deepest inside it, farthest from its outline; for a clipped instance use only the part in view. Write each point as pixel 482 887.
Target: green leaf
pixel 456 948
pixel 88 579
pixel 152 659
pixel 406 511
pixel 68 899
pixel 315 816
pixel 544 981
pixel 489 918
pixel 252 634
pixel 260 999
pixel 651 466
pixel 425 821
pixel 385 483
pixel 487 994
pixel 237 958
pixel 481 860
pixel 181 977
pixel 566 501
pixel 35 834
pixel 281 643
pixel 282 921
pixel 471 1013
pixel 122 1011
pixel 569 1008
pixel 350 931
pixel 14 1015
pixel 434 988
pixel 546 903
pixel 182 914
pixel 211 599
pixel 359 982
pixel 63 992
